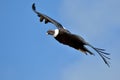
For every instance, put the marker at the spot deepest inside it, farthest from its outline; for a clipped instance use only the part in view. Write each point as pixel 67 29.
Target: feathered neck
pixel 56 32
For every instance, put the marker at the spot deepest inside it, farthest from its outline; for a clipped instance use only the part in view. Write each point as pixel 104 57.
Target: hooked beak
pixel 46 33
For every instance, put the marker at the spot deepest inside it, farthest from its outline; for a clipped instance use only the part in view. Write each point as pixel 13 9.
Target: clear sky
pixel 27 53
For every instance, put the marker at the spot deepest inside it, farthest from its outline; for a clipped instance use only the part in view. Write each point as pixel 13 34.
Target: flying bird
pixel 65 37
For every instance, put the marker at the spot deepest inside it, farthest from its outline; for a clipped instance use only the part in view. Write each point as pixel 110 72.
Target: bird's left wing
pixel 46 18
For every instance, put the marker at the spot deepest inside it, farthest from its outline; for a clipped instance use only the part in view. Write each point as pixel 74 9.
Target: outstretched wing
pixel 46 18
pixel 102 54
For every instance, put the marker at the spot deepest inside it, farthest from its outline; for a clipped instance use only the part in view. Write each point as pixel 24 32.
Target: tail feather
pixel 90 52
pixel 85 50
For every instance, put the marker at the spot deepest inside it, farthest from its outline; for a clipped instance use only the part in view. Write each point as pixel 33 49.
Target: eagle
pixel 65 37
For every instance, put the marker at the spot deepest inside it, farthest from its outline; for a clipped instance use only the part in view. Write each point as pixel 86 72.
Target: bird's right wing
pixel 102 54
pixel 46 18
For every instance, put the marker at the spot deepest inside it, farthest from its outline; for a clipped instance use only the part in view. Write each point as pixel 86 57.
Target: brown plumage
pixel 65 37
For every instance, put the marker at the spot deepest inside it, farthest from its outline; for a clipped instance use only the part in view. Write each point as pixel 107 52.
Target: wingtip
pixel 33 6
pixel 108 64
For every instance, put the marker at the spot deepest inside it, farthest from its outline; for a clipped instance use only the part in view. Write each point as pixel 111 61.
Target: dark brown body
pixel 71 40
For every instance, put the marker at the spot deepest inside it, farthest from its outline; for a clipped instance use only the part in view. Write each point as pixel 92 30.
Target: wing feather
pixel 46 18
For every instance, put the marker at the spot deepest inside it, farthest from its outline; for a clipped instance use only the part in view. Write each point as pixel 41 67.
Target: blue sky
pixel 27 53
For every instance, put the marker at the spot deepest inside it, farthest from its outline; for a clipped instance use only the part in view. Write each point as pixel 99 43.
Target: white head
pixel 54 33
